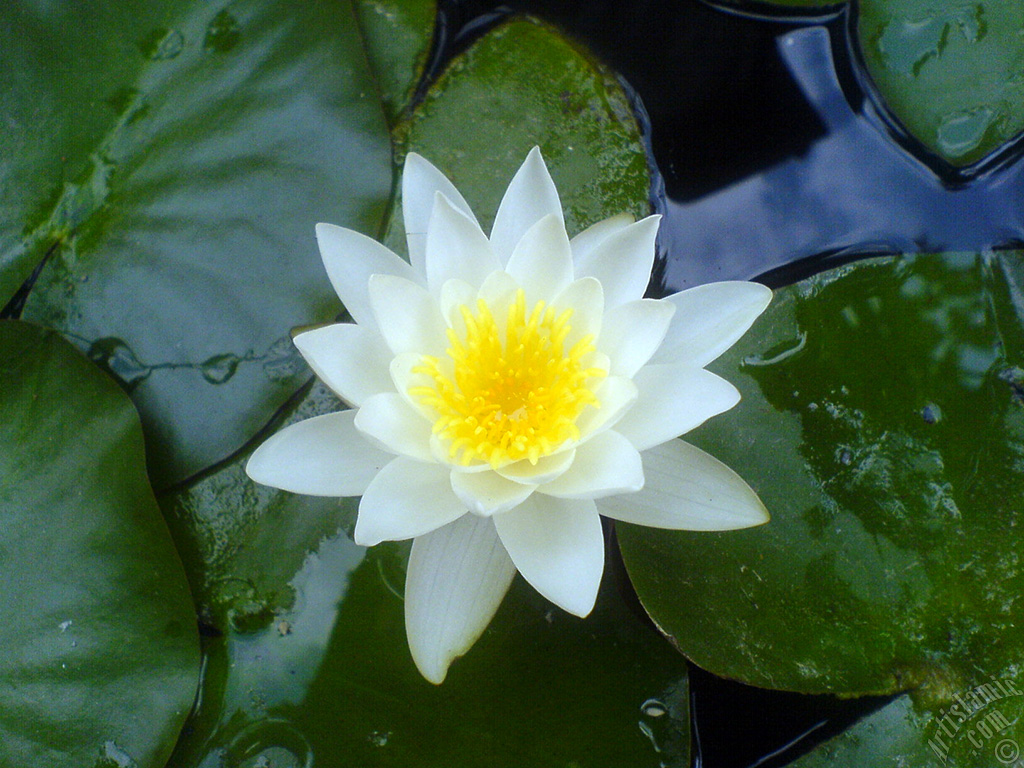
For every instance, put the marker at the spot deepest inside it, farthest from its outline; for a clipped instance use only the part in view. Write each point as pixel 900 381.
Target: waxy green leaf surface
pixel 172 158
pixel 882 424
pixel 100 655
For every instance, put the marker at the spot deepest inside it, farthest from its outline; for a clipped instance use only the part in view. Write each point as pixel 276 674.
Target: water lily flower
pixel 506 391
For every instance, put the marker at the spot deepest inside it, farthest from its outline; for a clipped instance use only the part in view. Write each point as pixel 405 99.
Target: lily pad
pixel 524 84
pixel 398 35
pixel 333 677
pixel 173 157
pixel 101 655
pixel 985 731
pixel 882 423
pixel 952 74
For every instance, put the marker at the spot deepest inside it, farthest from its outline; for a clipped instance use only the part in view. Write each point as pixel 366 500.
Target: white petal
pixel 420 182
pixel 408 316
pixel 396 426
pixel 407 498
pixel 456 248
pixel 687 489
pixel 322 456
pixel 586 300
pixel 672 400
pixel 605 465
pixel 558 546
pixel 350 258
pixel 542 262
pixel 623 261
pixel 531 195
pixel 709 319
pixel 454 295
pixel 545 470
pixel 616 395
pixel 456 579
pixel 587 240
pixel 404 379
pixel 633 332
pixel 352 360
pixel 487 493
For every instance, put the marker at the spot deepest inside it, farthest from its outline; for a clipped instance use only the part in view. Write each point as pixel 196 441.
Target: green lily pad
pixel 882 423
pixel 986 731
pixel 173 157
pixel 333 677
pixel 101 655
pixel 524 84
pixel 398 35
pixel 952 74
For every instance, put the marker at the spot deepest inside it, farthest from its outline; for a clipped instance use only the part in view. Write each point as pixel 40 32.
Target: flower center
pixel 513 398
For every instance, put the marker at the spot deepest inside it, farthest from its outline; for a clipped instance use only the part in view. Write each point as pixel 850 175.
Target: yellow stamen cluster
pixel 513 398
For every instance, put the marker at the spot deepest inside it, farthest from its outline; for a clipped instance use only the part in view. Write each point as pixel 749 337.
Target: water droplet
pixel 931 413
pixel 112 756
pixel 118 359
pixel 845 457
pixel 64 625
pixel 162 44
pixel 964 131
pixel 906 45
pixel 219 368
pixel 223 33
pixel 379 738
pixel 271 743
pixel 653 708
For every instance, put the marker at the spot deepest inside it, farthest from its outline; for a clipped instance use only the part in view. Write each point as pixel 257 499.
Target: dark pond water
pixel 772 162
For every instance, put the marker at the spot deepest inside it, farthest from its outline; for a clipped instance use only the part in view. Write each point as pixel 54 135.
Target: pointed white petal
pixel 395 426
pixel 672 400
pixel 623 261
pixel 558 546
pixel 408 316
pixel 407 498
pixel 456 579
pixel 633 332
pixel 606 464
pixel 545 470
pixel 456 248
pixel 616 395
pixel 542 262
pixel 487 493
pixel 322 456
pixel 586 300
pixel 350 258
pixel 531 195
pixel 587 240
pixel 352 360
pixel 420 182
pixel 709 319
pixel 687 489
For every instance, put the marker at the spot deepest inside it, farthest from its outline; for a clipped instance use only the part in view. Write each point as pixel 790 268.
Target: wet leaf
pixel 101 655
pixel 984 731
pixel 951 74
pixel 522 85
pixel 882 423
pixel 175 155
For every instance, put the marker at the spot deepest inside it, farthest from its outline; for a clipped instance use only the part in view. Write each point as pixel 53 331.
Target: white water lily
pixel 505 392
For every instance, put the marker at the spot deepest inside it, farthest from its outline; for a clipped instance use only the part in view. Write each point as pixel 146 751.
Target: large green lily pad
pixel 175 156
pixel 524 84
pixel 882 423
pixel 952 74
pixel 331 682
pixel 984 731
pixel 100 653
